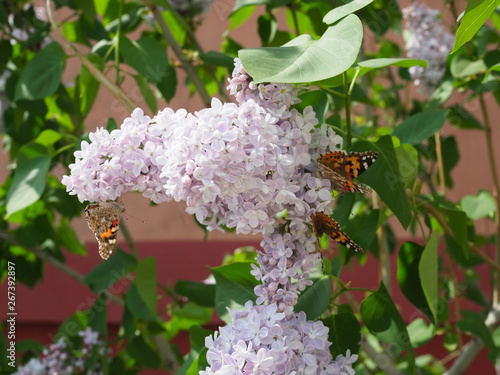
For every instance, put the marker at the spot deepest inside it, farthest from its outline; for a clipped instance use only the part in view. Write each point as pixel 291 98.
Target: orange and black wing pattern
pixel 341 168
pixel 323 223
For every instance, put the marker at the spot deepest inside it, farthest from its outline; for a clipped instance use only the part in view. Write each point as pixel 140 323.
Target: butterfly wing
pixel 357 162
pixel 340 169
pixel 323 223
pixel 103 220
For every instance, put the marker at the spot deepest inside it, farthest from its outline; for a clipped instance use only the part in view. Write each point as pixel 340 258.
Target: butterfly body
pixel 341 168
pixel 103 219
pixel 322 223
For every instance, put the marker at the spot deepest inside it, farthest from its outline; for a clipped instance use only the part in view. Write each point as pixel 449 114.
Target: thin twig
pixel 186 65
pixel 439 157
pixel 496 190
pixel 115 90
pixel 128 240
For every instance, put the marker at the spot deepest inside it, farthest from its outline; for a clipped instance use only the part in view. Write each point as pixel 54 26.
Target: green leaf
pixel 476 14
pixel 5 53
pixel 234 287
pixel 145 280
pixel 457 221
pixel 107 273
pixel 383 320
pixel 473 322
pixel 408 163
pixel 361 228
pixel 177 25
pixel 409 257
pixel 28 184
pixel 343 10
pixel 306 59
pixel 344 331
pixel 168 83
pixel 30 345
pixel 196 359
pixel 314 300
pixel 42 75
pixel 72 325
pixel 28 271
pixel 68 238
pixel 463 119
pixel 146 56
pixel 463 67
pixel 48 137
pixel 137 306
pixel 240 15
pixel 98 315
pixel 147 93
pixel 139 350
pixel 218 59
pixel 267 28
pixel 128 323
pixel 421 126
pixel 88 9
pixel 385 178
pixel 369 65
pixel 428 271
pixel 420 332
pixel 479 206
pixel 200 293
pixel 186 316
pixel 88 86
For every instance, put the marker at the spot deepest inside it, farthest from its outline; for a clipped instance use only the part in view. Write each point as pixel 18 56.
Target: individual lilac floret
pixel 262 340
pixel 428 41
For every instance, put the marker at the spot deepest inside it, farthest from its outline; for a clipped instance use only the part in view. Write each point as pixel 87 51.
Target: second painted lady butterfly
pixel 103 219
pixel 341 168
pixel 322 223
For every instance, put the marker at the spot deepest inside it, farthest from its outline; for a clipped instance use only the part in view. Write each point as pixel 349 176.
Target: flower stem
pixel 128 240
pixel 347 101
pixel 439 157
pixel 117 45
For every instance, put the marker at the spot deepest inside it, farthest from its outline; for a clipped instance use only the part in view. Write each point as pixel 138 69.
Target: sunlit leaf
pixel 305 59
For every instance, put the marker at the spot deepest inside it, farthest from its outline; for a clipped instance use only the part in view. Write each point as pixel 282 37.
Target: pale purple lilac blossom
pixel 240 165
pixel 61 358
pixel 428 41
pixel 261 340
pixel 237 165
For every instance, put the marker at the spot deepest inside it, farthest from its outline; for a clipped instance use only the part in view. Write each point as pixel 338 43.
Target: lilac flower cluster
pixel 245 165
pixel 428 41
pixel 261 340
pixel 60 359
pixel 236 165
pixel 285 265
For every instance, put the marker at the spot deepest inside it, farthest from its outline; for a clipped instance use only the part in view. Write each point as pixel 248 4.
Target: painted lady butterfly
pixel 103 219
pixel 323 223
pixel 340 168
